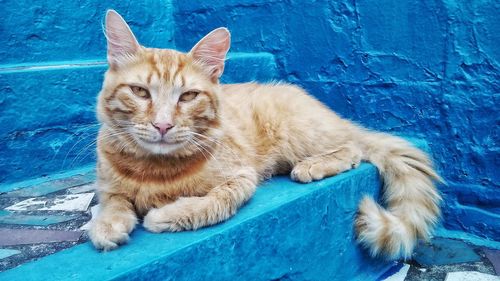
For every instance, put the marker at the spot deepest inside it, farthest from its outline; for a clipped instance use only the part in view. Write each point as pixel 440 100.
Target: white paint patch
pixel 86 226
pixel 400 275
pixel 5 253
pixel 74 202
pixel 470 276
pixel 83 188
pixel 94 211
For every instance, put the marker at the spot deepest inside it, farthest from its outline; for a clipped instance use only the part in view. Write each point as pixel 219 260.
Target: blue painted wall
pixel 428 69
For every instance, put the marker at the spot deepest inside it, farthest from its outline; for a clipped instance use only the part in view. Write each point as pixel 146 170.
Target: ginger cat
pixel 181 151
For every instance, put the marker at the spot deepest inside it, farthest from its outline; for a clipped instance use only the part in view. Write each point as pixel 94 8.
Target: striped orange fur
pixel 181 151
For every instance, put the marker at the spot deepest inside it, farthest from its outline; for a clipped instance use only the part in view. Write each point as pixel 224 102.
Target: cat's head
pixel 160 101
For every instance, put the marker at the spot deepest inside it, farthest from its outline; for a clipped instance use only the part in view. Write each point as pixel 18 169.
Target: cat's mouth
pixel 161 146
pixel 162 142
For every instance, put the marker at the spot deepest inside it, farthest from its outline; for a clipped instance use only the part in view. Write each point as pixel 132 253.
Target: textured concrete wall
pixel 429 69
pixel 57 30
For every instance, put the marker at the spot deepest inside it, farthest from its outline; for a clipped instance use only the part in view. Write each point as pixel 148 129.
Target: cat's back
pixel 271 101
pixel 265 92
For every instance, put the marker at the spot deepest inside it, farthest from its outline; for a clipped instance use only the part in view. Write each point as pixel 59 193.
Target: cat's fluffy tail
pixel 412 201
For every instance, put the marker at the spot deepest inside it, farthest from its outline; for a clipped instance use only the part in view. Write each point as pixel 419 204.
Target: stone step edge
pixel 303 207
pixel 55 65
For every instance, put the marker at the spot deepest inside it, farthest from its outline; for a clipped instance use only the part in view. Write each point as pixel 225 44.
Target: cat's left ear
pixel 211 51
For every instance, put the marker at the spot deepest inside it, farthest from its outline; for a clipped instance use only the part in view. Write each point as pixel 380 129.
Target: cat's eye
pixel 140 91
pixel 188 96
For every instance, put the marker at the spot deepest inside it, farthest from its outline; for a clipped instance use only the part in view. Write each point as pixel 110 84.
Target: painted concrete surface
pixel 73 202
pixel 43 220
pixel 444 251
pixel 41 230
pixel 85 172
pixel 83 188
pixel 442 232
pixel 400 275
pixel 302 231
pixel 12 236
pixel 442 267
pixel 94 211
pixel 494 257
pixel 470 276
pixel 82 182
pixel 5 253
pixel 58 30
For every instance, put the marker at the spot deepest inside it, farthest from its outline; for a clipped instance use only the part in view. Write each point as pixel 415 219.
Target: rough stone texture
pixel 494 257
pixel 424 68
pixel 442 251
pixel 288 231
pixel 11 237
pixel 58 30
pixel 44 220
pixel 5 253
pixel 48 120
pixel 435 260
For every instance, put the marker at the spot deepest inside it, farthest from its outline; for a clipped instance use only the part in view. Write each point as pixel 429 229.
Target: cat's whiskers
pixel 197 148
pixel 83 130
pixel 218 142
pixel 93 143
pixel 223 146
pixel 202 148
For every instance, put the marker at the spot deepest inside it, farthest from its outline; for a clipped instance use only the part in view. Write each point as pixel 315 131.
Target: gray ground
pixel 34 251
pixel 438 272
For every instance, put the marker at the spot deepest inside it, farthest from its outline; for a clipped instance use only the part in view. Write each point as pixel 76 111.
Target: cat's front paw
pixel 107 236
pixel 183 214
pixel 156 222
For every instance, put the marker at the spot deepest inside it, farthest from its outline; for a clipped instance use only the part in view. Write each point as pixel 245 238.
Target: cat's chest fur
pixel 152 183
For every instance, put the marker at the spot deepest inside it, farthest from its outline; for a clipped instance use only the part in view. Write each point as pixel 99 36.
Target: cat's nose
pixel 162 127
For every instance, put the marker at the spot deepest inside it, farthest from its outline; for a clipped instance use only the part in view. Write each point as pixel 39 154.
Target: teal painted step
pixel 41 220
pixel 288 231
pixel 48 111
pixel 64 92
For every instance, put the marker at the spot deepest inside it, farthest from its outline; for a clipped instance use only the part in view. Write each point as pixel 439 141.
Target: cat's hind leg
pixel 328 164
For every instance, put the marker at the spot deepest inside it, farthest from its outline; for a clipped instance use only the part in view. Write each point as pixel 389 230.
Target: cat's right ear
pixel 211 51
pixel 121 41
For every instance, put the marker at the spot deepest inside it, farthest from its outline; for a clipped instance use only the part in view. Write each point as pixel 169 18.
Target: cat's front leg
pixel 115 220
pixel 188 213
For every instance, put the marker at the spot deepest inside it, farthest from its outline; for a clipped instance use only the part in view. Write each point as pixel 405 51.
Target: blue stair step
pixel 287 231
